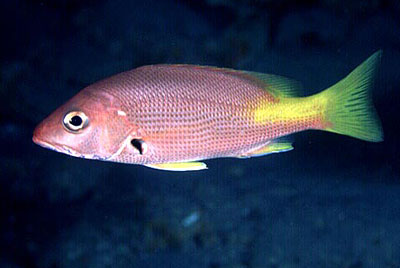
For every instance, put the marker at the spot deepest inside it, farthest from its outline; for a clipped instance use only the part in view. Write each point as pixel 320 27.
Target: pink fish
pixel 172 116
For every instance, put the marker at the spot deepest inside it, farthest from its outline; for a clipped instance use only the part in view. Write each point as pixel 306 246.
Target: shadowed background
pixel 332 202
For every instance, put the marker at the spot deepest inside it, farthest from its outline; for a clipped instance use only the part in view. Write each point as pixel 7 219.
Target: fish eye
pixel 75 121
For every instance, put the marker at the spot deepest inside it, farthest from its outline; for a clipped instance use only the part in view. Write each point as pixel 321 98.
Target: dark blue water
pixel 334 201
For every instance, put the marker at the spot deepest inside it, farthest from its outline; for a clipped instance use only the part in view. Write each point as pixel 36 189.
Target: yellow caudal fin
pixel 348 105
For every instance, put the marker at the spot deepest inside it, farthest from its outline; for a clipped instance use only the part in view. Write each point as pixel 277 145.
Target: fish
pixel 173 117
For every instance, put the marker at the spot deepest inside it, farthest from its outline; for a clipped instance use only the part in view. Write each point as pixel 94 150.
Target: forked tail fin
pixel 348 104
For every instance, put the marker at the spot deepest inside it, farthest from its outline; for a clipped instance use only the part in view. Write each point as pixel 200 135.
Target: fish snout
pixel 41 136
pixel 37 134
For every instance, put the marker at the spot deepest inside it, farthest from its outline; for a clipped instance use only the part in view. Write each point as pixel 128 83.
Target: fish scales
pixel 192 113
pixel 168 116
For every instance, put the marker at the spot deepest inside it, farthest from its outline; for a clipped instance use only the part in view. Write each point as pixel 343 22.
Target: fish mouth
pixel 39 140
pixel 66 150
pixel 44 144
pixel 57 147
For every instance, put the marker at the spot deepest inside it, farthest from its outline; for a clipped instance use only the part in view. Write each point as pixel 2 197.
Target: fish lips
pixel 56 147
pixel 39 138
pixel 62 148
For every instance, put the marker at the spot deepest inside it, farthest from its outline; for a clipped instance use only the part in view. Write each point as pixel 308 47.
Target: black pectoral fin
pixel 140 145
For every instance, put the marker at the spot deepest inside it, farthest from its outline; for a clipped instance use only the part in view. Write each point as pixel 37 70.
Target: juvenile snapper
pixel 171 116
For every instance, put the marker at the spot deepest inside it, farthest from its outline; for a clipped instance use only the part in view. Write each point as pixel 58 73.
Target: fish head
pixel 89 125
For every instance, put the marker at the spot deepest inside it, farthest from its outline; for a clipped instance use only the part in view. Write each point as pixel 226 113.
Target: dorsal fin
pixel 279 86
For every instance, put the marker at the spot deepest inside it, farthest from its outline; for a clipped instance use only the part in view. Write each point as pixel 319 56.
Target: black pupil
pixel 76 120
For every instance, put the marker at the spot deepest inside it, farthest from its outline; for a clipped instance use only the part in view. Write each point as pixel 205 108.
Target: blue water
pixel 334 201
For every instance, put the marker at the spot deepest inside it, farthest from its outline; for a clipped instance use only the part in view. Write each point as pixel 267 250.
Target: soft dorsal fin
pixel 279 86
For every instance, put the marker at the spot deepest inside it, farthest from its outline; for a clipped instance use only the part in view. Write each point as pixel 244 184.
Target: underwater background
pixel 334 201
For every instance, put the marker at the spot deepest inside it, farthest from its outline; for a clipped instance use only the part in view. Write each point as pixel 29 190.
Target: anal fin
pixel 179 166
pixel 270 148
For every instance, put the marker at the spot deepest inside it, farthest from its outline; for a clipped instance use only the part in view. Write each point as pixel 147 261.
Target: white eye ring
pixel 75 121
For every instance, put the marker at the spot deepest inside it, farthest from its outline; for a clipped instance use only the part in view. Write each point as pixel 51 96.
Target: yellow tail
pixel 348 105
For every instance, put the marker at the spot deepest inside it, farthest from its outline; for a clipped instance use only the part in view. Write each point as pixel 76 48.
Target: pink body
pixel 168 116
pixel 182 113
